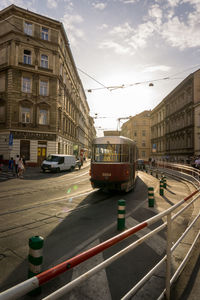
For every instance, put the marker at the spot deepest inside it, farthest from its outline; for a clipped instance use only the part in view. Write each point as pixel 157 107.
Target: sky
pixel 121 46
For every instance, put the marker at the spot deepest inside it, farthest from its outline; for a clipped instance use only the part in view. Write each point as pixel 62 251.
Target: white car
pixel 59 162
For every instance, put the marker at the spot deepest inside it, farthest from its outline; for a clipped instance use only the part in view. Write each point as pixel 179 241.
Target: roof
pixel 113 140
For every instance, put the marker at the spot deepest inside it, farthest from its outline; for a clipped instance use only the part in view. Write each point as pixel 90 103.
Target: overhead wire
pixel 110 88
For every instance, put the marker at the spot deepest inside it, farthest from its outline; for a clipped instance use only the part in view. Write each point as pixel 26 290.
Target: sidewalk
pixel 187 287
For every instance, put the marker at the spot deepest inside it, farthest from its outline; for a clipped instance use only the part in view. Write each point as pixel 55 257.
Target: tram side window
pixel 107 152
pixel 131 154
pixel 125 153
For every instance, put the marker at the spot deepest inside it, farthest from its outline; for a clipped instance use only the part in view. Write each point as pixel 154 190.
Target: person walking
pixel 16 164
pixel 20 168
pixel 11 164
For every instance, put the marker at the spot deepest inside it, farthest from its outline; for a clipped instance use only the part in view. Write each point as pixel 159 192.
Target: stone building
pixel 112 133
pixel 138 129
pixel 158 143
pixel 175 133
pixel 43 106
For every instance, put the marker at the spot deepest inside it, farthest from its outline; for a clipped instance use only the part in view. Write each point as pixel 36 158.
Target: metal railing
pixel 36 281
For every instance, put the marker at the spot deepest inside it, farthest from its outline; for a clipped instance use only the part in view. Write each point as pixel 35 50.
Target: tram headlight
pixel 127 172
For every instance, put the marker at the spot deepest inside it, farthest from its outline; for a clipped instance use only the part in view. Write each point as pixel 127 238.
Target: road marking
pixel 156 242
pixel 92 287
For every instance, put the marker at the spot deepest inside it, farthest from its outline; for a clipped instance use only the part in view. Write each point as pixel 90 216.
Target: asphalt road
pixel 72 217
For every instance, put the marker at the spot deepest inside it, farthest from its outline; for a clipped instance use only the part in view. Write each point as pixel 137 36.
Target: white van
pixel 59 162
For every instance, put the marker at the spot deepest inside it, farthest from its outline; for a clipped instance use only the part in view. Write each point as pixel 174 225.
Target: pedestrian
pixel 197 163
pixel 11 164
pixel 20 168
pixel 16 164
pixel 24 161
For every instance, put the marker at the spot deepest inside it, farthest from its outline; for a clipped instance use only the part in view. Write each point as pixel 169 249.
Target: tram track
pixel 58 214
pixel 45 203
pixel 39 187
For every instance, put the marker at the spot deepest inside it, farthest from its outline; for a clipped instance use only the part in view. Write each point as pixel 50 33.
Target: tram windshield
pixel 111 153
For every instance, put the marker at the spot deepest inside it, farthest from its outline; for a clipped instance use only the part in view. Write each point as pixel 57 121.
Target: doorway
pixel 42 152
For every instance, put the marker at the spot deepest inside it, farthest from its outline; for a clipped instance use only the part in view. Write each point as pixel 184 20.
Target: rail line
pixel 49 202
pixel 41 188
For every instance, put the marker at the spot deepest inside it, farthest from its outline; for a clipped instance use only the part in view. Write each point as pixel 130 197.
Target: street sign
pixel 10 139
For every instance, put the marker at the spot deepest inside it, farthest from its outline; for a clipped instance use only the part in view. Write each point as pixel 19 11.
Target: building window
pixel 26 84
pixel 143 144
pixel 2 113
pixel 44 61
pixel 26 115
pixel 143 154
pixel 43 114
pixel 28 28
pixel 43 88
pixel 45 33
pixel 143 133
pixel 27 57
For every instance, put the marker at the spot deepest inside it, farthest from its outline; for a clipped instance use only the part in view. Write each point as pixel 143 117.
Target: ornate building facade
pixel 43 106
pixel 175 133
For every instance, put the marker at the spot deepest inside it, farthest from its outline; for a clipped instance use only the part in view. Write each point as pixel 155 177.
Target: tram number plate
pixel 106 174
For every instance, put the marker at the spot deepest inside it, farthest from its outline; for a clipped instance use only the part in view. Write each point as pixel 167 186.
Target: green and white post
pixel 121 214
pixel 161 188
pixel 164 182
pixel 35 258
pixel 151 196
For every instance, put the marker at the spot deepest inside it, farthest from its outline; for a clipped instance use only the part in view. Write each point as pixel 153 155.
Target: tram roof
pixel 113 140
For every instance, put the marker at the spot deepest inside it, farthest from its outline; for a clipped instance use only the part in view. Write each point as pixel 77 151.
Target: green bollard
pixel 151 196
pixel 35 259
pixel 164 182
pixel 121 214
pixel 161 188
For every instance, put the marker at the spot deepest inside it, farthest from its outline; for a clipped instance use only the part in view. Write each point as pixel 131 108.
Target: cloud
pixel 52 3
pixel 71 24
pixel 20 3
pixel 100 5
pixel 103 26
pixel 122 30
pixel 118 48
pixel 129 1
pixel 157 68
pixel 156 13
pixel 69 5
pixel 180 35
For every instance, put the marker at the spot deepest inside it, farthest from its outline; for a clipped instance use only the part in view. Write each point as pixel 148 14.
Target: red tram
pixel 113 163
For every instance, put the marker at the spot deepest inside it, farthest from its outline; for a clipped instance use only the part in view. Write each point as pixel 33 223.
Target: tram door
pixel 42 153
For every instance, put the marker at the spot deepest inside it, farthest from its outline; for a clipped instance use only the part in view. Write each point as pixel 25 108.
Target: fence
pixel 32 283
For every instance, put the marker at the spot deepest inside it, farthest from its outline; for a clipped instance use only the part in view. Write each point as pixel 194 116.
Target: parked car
pixel 59 162
pixel 140 164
